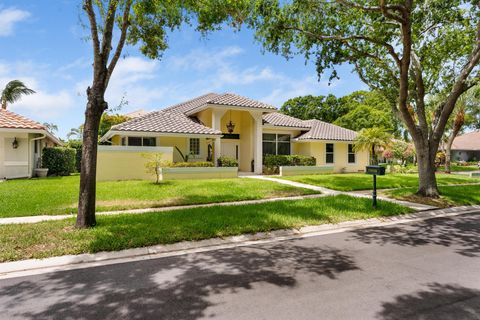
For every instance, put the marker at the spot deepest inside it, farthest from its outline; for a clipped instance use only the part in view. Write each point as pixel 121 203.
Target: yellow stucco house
pixel 215 125
pixel 21 143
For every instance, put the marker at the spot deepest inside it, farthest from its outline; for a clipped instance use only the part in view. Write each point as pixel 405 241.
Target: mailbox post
pixel 375 170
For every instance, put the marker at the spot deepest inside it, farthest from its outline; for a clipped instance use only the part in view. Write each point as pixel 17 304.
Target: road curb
pixel 71 262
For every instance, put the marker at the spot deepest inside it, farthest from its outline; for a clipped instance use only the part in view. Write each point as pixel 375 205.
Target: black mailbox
pixel 375 170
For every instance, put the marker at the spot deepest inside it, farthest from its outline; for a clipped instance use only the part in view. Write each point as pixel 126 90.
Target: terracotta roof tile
pixel 11 120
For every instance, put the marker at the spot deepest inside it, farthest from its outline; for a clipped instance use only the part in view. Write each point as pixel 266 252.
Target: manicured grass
pixel 455 168
pixel 450 196
pixel 45 239
pixel 59 195
pixel 357 181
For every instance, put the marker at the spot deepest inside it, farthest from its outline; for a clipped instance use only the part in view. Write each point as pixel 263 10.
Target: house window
pixel 195 146
pixel 351 154
pixel 135 141
pixel 276 144
pixel 124 141
pixel 329 153
pixel 141 141
pixel 149 142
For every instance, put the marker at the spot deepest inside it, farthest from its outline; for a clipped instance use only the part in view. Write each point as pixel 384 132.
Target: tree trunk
pixel 86 200
pixel 448 154
pixel 427 185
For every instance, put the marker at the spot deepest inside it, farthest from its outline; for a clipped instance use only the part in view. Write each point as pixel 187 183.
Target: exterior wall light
pixel 15 143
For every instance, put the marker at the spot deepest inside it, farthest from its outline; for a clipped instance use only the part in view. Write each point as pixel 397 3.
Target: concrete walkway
pixel 326 191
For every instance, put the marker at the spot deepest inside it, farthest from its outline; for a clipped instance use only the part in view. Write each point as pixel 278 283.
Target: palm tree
pixel 13 91
pixel 370 139
pixel 75 133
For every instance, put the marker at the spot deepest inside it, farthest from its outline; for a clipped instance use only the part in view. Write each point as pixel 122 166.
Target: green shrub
pixel 189 164
pixel 227 162
pixel 77 145
pixel 272 161
pixel 59 160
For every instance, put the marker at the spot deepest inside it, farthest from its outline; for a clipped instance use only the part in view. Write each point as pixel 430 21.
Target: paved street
pixel 423 270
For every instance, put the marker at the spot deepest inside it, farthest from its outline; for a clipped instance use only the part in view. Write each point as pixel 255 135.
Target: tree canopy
pixel 405 49
pixel 358 110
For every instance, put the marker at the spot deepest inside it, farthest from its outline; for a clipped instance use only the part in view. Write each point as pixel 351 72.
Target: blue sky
pixel 43 44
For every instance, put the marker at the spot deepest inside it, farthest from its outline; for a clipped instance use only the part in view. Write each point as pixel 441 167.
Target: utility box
pixel 375 170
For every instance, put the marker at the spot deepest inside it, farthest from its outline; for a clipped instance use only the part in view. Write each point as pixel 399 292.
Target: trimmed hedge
pixel 59 160
pixel 272 161
pixel 77 145
pixel 189 164
pixel 227 162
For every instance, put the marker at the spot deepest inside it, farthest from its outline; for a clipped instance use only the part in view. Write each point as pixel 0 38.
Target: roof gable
pixel 165 122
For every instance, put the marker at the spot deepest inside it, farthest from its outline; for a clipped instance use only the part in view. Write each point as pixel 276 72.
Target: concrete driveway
pixel 423 270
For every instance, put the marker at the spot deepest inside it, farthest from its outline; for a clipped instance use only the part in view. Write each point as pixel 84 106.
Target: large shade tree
pixel 144 24
pixel 406 49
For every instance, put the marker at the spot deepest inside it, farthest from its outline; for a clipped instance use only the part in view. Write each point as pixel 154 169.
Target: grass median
pixel 358 181
pixel 55 238
pixel 59 195
pixel 450 196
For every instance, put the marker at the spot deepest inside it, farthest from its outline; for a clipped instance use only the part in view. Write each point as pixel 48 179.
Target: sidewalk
pixel 71 262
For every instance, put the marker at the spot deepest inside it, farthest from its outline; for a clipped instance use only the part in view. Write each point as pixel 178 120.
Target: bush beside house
pixel 273 162
pixel 227 162
pixel 59 160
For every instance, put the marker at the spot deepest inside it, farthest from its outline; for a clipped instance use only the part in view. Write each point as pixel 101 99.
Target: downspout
pixel 43 136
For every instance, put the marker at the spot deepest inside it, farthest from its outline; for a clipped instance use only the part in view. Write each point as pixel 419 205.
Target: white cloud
pixel 201 60
pixel 287 88
pixel 41 105
pixel 45 104
pixel 9 17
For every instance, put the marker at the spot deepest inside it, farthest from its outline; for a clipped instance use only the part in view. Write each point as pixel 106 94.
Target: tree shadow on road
pixel 180 287
pixel 438 302
pixel 460 232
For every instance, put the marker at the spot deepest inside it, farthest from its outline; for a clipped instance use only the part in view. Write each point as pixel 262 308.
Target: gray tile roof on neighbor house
pixel 467 142
pixel 165 122
pixel 175 119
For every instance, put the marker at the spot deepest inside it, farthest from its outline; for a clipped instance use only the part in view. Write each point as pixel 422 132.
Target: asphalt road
pixel 425 270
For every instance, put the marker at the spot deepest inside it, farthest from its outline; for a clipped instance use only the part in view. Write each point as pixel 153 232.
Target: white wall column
pixel 216 124
pixel 257 141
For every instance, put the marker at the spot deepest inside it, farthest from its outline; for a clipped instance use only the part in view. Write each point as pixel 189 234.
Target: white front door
pixel 231 150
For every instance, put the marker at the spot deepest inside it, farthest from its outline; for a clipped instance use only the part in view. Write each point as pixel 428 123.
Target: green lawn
pixel 357 181
pixel 455 168
pixel 59 195
pixel 45 239
pixel 450 196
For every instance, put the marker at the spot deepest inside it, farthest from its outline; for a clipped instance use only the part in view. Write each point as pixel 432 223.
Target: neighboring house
pixel 215 125
pixel 466 147
pixel 21 144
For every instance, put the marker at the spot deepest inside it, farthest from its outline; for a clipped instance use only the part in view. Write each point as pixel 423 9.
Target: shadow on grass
pixel 171 288
pixel 439 301
pixel 460 232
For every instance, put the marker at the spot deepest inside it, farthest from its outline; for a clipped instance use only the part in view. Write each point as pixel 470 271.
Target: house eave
pixel 131 133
